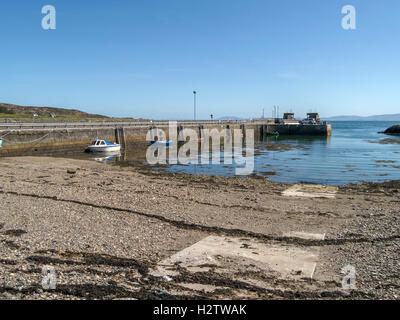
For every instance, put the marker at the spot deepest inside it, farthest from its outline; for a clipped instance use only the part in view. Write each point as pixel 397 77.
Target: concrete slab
pixel 305 235
pixel 233 256
pixel 311 191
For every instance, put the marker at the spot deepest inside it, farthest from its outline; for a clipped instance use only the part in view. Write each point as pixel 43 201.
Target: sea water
pixel 354 153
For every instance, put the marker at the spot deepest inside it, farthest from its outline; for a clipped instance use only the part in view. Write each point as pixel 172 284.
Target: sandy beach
pixel 107 229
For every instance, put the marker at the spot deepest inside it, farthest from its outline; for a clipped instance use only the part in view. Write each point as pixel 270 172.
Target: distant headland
pixel 382 117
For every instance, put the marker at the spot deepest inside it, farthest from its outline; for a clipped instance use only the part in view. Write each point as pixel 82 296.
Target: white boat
pixel 1 143
pixel 104 146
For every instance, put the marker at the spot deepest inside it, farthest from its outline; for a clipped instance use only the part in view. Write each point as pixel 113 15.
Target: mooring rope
pixel 40 138
pixel 29 141
pixel 6 135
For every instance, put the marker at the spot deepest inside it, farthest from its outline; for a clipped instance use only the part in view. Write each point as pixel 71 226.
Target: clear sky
pixel 144 58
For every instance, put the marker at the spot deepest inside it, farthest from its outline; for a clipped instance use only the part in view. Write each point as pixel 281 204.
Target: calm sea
pixel 354 153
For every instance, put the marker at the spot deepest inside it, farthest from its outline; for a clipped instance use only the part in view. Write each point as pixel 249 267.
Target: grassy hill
pixel 11 111
pixel 15 113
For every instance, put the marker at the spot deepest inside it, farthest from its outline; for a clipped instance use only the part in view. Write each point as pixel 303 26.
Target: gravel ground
pixel 103 228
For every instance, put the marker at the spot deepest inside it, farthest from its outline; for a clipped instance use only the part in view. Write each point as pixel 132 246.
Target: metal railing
pixel 61 125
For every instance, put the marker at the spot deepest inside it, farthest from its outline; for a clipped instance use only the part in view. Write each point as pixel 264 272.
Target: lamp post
pixel 194 104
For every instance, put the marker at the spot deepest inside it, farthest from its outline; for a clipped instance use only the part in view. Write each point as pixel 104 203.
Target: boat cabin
pixel 102 143
pixel 313 116
pixel 288 116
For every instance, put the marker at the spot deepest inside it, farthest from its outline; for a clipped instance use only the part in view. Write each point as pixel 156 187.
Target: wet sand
pixel 106 228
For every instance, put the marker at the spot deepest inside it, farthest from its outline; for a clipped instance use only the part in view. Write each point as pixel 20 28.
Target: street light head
pixel 194 92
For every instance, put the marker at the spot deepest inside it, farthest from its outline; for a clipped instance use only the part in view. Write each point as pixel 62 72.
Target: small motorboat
pixel 1 143
pixel 164 143
pixel 103 146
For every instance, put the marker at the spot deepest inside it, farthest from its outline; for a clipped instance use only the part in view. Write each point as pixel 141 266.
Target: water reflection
pixel 107 157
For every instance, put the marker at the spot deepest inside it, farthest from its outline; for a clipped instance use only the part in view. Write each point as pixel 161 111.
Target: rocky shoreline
pixel 105 228
pixel 393 130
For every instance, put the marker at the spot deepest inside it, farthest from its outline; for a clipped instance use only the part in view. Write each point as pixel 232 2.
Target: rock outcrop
pixel 395 129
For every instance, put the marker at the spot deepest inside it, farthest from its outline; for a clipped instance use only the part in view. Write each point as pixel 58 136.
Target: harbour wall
pixel 18 139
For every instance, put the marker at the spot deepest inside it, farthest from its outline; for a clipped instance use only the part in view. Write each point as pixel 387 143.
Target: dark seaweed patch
pixel 14 233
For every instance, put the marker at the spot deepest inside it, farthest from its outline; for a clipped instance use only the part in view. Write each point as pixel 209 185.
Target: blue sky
pixel 144 58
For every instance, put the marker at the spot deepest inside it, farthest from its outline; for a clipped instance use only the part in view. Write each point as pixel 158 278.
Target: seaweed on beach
pixel 385 141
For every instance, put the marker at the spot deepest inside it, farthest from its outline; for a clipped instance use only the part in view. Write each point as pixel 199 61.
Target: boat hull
pixel 104 148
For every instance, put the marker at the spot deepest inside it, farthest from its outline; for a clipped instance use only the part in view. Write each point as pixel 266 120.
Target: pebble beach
pixel 105 228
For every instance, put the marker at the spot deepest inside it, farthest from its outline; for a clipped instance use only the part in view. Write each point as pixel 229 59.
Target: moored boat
pixel 103 146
